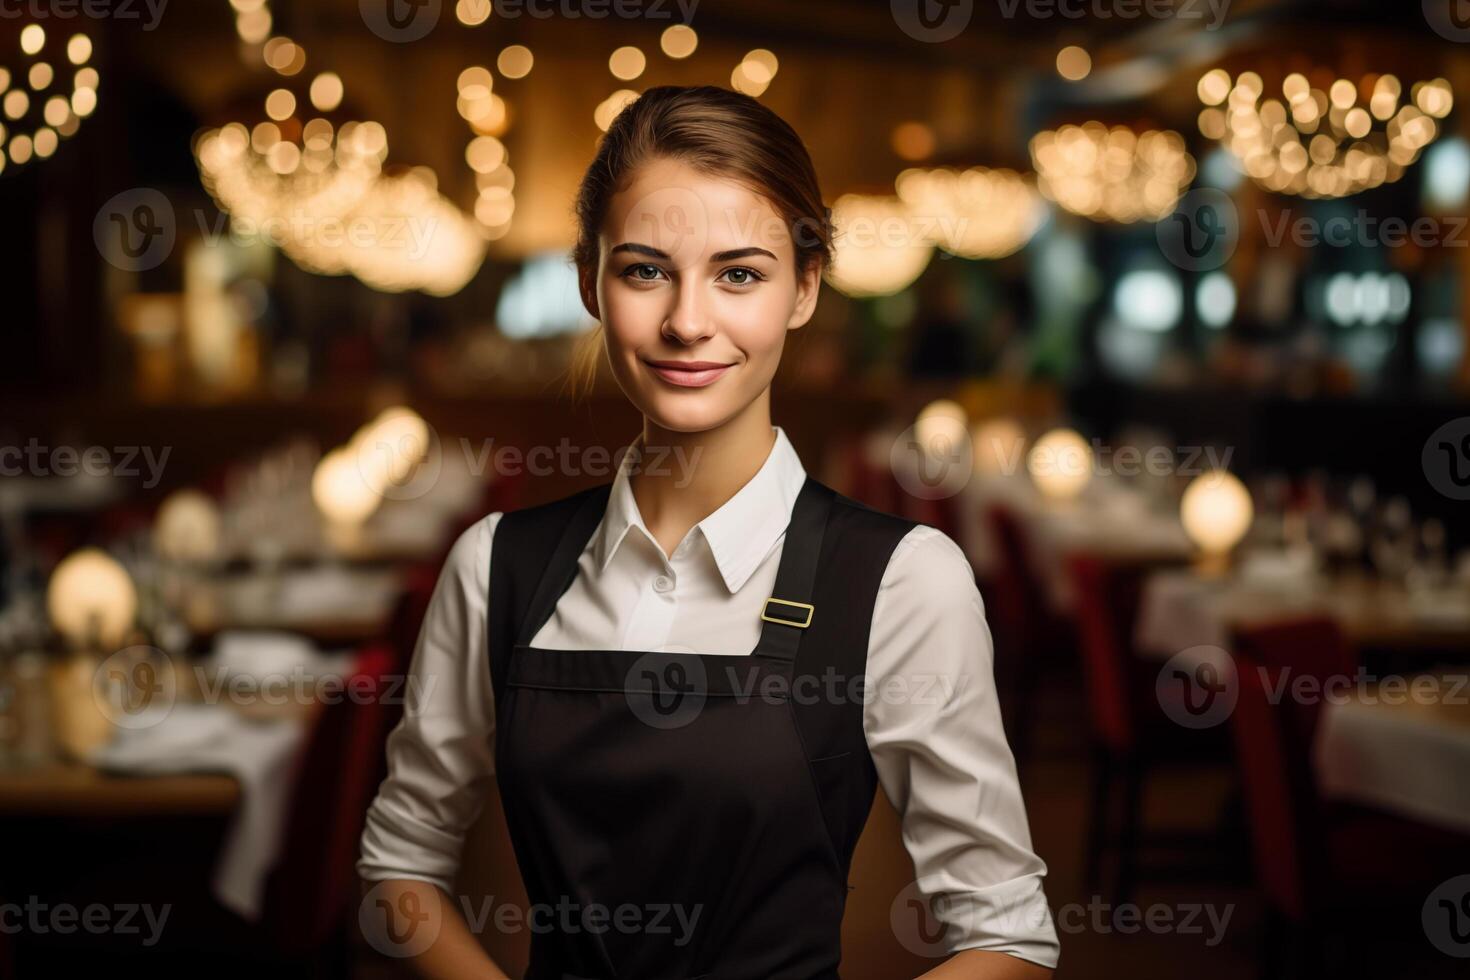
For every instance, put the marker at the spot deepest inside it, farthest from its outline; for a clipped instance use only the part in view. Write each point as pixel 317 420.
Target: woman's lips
pixel 689 374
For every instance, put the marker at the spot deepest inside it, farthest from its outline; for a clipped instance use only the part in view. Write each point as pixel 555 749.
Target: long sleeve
pixel 935 735
pixel 440 760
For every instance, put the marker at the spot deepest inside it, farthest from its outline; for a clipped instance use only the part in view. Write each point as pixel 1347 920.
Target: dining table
pixel 1401 745
pixel 1399 742
pixel 1112 521
pixel 1187 607
pixel 223 742
pixel 333 605
pixel 68 788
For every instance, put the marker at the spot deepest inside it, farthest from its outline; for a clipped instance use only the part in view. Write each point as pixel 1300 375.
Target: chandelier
pixel 976 213
pixel 1320 142
pixel 1112 174
pixel 879 245
pixel 314 185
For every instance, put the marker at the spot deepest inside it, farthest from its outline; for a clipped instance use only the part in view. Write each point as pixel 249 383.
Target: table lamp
pixel 1216 512
pixel 342 492
pixel 91 601
pixel 93 604
pixel 1060 464
pixel 396 441
pixel 940 425
pixel 187 529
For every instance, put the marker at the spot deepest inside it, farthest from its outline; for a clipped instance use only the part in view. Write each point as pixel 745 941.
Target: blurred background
pixel 1157 308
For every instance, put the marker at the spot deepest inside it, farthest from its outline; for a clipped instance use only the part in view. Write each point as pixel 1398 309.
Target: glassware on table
pixel 1392 540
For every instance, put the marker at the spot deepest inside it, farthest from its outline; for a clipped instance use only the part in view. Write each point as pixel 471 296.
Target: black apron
pixel 687 815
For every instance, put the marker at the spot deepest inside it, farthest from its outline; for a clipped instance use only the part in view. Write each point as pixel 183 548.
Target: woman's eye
pixel 643 272
pixel 742 276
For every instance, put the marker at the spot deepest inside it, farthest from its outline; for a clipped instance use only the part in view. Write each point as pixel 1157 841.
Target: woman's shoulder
pixel 932 570
pixel 914 545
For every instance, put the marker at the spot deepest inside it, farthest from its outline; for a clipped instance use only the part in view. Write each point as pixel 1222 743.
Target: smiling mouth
pixel 689 374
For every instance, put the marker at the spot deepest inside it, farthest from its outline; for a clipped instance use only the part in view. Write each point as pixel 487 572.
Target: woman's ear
pixel 587 286
pixel 808 285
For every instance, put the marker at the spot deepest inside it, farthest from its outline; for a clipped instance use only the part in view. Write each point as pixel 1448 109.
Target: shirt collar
pixel 740 534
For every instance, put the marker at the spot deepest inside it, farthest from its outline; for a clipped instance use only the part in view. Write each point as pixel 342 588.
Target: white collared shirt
pixel 933 724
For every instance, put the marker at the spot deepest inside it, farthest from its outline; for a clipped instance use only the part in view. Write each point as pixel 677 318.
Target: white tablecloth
pixel 1110 520
pixel 1408 758
pixel 214 737
pixel 1180 609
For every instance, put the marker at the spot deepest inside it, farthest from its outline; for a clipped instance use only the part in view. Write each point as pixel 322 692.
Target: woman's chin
pixel 688 412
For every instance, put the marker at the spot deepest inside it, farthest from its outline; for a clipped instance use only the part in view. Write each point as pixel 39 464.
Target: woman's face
pixel 696 287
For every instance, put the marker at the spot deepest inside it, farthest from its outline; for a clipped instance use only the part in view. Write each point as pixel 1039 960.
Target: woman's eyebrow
pixel 648 250
pixel 740 253
pixel 725 256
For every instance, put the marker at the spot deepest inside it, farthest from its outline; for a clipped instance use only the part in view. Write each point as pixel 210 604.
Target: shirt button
pixel 663 584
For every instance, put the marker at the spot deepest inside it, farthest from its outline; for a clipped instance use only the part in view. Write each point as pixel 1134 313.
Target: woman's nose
pixel 688 322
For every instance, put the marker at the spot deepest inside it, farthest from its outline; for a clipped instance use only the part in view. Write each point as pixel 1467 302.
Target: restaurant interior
pixel 1157 307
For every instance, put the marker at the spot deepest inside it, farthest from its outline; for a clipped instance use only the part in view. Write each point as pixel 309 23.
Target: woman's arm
pixel 982 964
pixel 415 916
pixel 440 764
pixel 933 726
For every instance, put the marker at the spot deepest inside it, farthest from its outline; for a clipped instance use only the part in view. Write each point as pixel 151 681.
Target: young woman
pixel 689 683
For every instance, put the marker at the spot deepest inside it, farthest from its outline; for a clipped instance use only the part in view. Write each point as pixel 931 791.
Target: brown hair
pixel 718 132
pixel 715 131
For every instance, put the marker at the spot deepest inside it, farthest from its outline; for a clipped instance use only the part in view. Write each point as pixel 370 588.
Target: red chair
pixel 1030 635
pixel 311 895
pixel 1131 733
pixel 873 485
pixel 1323 867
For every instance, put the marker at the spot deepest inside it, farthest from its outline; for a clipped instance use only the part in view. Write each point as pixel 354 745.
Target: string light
pixel 45 106
pixel 627 63
pixel 1112 174
pixel 515 61
pixel 1074 63
pixel 488 115
pixel 1322 144
pixel 473 13
pixel 252 20
pixel 679 41
pixel 607 110
pixel 755 72
pixel 913 140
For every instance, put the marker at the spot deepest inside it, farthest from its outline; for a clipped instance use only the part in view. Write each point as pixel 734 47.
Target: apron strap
pixel 561 569
pixel 788 612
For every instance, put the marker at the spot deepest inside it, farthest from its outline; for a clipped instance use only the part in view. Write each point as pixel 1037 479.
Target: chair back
pixel 1021 604
pixel 1274 735
pixel 1107 599
pixel 873 485
pixel 312 890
